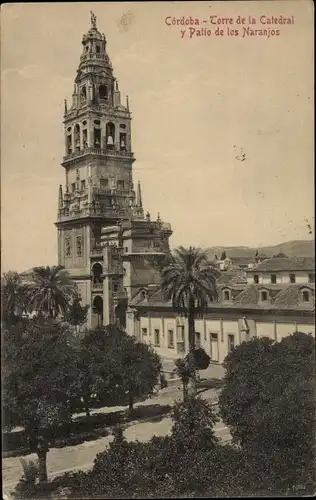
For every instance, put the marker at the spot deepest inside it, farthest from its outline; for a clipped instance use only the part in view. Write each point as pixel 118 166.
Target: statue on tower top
pixel 93 20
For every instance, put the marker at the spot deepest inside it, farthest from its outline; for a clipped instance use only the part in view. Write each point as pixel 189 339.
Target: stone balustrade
pixel 98 152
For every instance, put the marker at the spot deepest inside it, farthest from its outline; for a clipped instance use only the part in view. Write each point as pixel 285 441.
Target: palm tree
pixel 13 296
pixel 52 291
pixel 188 279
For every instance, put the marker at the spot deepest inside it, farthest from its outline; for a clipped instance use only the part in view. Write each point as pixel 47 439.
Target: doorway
pixel 214 347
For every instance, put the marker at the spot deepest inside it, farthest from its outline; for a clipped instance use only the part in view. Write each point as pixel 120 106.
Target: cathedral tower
pixel 99 190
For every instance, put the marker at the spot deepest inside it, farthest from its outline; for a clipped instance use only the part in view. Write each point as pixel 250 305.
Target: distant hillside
pixel 299 248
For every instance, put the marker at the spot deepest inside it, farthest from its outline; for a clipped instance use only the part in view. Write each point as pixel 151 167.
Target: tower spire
pixel 93 20
pixel 139 196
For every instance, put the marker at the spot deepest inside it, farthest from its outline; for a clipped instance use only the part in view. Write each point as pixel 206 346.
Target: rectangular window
pixel 292 278
pixel 170 339
pixel 83 185
pixel 264 296
pixel 256 278
pixel 104 183
pixel 157 338
pixel 311 277
pixel 273 278
pixel 68 247
pixel 231 342
pixel 120 184
pixel 197 340
pixel 79 246
pixel 180 334
pixel 144 332
pixel 73 187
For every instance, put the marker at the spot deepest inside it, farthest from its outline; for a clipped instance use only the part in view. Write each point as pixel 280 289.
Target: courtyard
pixel 72 458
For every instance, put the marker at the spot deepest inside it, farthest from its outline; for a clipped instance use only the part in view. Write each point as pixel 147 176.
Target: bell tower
pixel 100 219
pixel 98 161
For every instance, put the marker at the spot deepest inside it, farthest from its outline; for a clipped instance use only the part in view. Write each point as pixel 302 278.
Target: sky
pixel 198 105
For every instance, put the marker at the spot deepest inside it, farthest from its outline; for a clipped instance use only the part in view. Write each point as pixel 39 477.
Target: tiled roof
pixel 232 275
pixel 286 264
pixel 242 260
pixel 292 297
pixel 287 297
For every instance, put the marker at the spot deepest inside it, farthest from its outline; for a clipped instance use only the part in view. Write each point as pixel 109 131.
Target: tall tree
pixel 39 382
pixel 188 279
pixel 51 291
pixel 123 369
pixel 268 401
pixel 13 297
pixel 140 368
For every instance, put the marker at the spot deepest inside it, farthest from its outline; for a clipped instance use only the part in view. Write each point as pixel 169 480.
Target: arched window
pixel 103 93
pixel 96 273
pixel 85 138
pixel 110 135
pixel 123 141
pixel 83 94
pixel 77 137
pixel 305 295
pixel 69 144
pixel 97 137
pixel 227 294
pixel 143 295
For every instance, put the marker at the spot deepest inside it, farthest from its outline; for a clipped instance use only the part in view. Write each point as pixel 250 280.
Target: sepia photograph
pixel 157 249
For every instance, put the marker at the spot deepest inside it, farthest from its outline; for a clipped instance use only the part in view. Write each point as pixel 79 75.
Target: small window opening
pixel 305 296
pixel 122 141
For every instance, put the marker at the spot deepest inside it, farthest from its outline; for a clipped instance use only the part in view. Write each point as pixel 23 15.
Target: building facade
pixel 99 209
pixel 244 310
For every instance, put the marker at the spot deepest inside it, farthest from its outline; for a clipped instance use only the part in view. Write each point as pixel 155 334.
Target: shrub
pixel 268 402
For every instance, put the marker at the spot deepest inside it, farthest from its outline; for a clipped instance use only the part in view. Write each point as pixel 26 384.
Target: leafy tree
pixel 88 361
pixel 77 314
pixel 116 368
pixel 188 279
pixel 51 292
pixel 201 359
pixel 39 379
pixel 169 466
pixel 137 367
pixel 268 402
pixel 193 422
pixel 13 297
